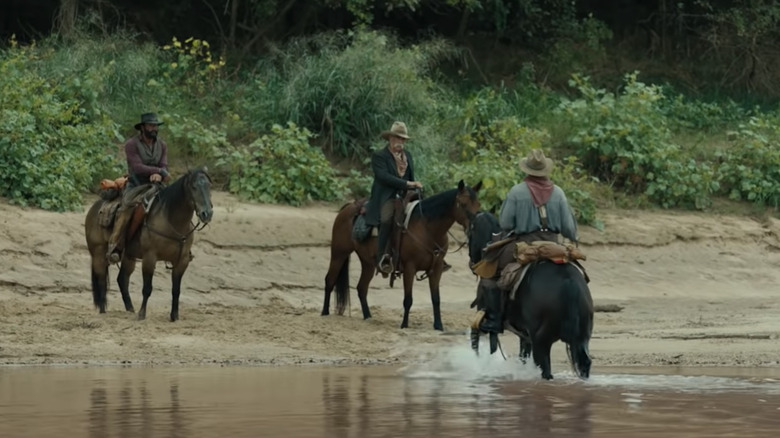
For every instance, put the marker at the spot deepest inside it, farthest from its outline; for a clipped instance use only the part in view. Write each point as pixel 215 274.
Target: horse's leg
pixel 176 275
pixel 475 340
pixel 433 283
pixel 367 268
pixel 147 269
pixel 541 348
pixel 338 275
pixel 99 279
pixel 525 348
pixel 409 271
pixel 123 280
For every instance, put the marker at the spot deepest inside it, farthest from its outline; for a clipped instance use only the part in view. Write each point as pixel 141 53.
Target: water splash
pixel 460 363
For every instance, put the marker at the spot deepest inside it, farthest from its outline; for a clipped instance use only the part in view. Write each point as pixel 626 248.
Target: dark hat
pixel 148 118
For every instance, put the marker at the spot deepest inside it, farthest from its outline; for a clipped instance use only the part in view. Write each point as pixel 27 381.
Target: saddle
pixel 140 203
pixel 496 260
pixel 402 213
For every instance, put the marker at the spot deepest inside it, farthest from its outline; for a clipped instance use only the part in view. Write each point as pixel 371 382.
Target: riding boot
pixel 492 323
pixel 384 261
pixel 116 241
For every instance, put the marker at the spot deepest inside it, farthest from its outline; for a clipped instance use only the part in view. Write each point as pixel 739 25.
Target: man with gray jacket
pixel 536 209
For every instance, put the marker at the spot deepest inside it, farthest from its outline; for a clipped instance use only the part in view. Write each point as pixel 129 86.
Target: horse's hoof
pixel 438 327
pixel 325 313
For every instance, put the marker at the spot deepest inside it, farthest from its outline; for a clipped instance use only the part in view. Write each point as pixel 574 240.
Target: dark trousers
pixel 385 228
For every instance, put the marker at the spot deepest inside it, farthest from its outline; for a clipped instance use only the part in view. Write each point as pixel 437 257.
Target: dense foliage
pixel 272 130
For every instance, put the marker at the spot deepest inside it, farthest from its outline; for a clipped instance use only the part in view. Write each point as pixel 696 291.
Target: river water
pixel 453 395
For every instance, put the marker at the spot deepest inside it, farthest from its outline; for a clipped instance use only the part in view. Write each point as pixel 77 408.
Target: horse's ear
pixel 477 186
pixel 461 185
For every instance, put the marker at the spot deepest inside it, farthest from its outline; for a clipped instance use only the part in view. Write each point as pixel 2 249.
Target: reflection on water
pixel 427 400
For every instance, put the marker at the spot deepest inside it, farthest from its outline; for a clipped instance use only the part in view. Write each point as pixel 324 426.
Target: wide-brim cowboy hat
pixel 536 164
pixel 398 129
pixel 150 118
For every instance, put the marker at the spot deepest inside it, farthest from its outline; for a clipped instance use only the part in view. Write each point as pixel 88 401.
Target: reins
pixel 438 251
pixel 181 238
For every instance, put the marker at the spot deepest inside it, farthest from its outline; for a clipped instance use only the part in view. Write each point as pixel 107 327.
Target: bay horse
pixel 166 234
pixel 423 246
pixel 553 302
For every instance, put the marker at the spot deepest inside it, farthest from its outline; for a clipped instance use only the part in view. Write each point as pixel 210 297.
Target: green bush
pixel 750 169
pixel 281 167
pixel 625 141
pixel 53 149
pixel 352 86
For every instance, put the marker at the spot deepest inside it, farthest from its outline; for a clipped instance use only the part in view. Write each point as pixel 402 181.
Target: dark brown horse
pixel 166 234
pixel 423 246
pixel 552 302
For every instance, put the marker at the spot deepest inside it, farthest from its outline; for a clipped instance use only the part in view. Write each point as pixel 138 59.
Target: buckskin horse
pixel 165 233
pixel 552 303
pixel 422 248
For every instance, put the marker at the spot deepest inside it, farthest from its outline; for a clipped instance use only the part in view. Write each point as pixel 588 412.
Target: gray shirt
pixel 521 215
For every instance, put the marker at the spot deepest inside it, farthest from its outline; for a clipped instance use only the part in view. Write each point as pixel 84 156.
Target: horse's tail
pixel 573 333
pixel 342 287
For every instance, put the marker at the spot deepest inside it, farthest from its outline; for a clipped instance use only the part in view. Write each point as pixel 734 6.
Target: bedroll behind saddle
pixel 526 253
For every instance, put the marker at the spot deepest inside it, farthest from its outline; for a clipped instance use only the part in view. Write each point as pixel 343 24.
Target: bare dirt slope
pixel 695 290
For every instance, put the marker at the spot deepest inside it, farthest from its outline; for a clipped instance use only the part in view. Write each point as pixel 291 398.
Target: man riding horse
pixel 534 210
pixel 147 164
pixel 393 169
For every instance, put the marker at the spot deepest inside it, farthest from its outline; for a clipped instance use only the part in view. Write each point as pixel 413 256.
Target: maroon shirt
pixel 143 160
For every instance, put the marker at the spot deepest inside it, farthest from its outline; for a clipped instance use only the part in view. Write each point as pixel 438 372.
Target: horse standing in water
pixel 165 234
pixel 552 303
pixel 423 246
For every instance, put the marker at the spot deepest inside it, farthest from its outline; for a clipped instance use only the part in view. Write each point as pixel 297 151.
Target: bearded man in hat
pixel 535 209
pixel 147 165
pixel 393 175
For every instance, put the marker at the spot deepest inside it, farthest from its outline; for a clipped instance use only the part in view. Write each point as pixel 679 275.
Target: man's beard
pixel 150 134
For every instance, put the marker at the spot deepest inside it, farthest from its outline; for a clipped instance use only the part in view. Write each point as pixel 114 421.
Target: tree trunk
pixel 66 17
pixel 233 21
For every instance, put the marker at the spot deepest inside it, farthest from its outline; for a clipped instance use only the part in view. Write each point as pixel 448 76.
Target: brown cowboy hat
pixel 536 164
pixel 150 118
pixel 398 129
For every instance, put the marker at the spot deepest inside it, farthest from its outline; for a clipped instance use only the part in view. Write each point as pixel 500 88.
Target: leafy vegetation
pixel 271 130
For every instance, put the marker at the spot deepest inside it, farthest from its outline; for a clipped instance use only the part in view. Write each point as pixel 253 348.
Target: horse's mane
pixel 440 204
pixel 176 190
pixel 482 227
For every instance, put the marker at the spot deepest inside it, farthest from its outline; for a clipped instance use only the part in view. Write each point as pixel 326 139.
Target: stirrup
pixel 114 256
pixel 385 265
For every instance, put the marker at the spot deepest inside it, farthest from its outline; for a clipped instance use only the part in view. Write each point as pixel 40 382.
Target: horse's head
pixel 480 233
pixel 198 185
pixel 467 203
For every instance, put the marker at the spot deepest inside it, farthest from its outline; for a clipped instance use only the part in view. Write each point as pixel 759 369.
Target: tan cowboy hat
pixel 398 129
pixel 536 164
